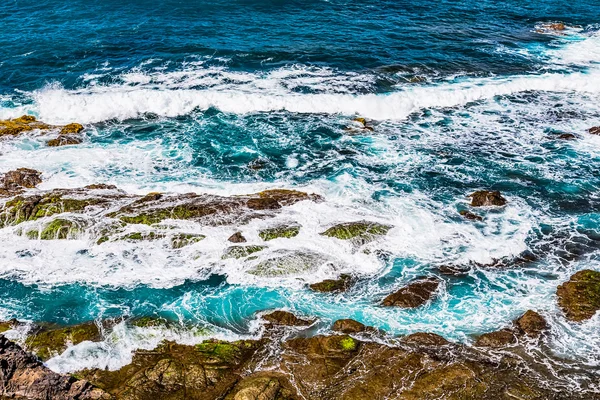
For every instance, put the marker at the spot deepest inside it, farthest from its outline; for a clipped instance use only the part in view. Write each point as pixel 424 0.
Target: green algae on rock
pixel 281 231
pixel 58 229
pixel 241 251
pixel 579 297
pixel 181 240
pixel 341 284
pixel 360 232
pixel 50 340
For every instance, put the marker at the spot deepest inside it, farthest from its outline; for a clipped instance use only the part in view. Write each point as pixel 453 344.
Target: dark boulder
pixel 64 140
pixel 286 318
pixel 594 130
pixel 483 198
pixel 348 326
pixel 237 238
pixel 469 215
pixel 414 295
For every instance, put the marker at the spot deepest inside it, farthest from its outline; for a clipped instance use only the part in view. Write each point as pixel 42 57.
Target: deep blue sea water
pixel 184 96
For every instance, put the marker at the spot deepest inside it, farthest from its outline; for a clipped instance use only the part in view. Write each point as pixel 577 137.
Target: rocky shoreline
pixel 289 362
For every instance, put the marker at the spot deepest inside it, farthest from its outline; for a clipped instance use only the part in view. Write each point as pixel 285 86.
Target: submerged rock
pixel 23 376
pixel 241 251
pixel 579 297
pixel 237 238
pixel 333 285
pixel 483 198
pixel 470 215
pixel 414 295
pixel 287 263
pixel 360 232
pixel 282 231
pixel 286 318
pixel 48 341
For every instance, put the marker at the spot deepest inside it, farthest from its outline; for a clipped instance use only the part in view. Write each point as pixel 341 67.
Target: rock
pixel 22 124
pixel 348 326
pixel 282 231
pixel 567 136
pixel 8 325
pixel 143 236
pixel 487 198
pixel 48 341
pixel 414 295
pixel 288 263
pixel 286 318
pixel 333 285
pixel 594 130
pixel 181 240
pixel 425 339
pixel 65 140
pixel 100 186
pixel 363 123
pixel 531 324
pixel 70 129
pixel 237 238
pixel 502 338
pixel 58 229
pixel 360 232
pixel 22 376
pixel 241 251
pixel 470 215
pixel 579 297
pixel 22 177
pixel 263 386
pixel 454 270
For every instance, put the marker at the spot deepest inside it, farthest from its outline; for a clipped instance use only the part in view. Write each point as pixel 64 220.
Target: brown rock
pixel 286 318
pixel 426 339
pixel 531 324
pixel 487 198
pixel 454 270
pixel 100 186
pixel 71 129
pixel 594 130
pixel 579 297
pixel 414 295
pixel 237 238
pixel 496 339
pixel 64 140
pixel 567 136
pixel 348 326
pixel 263 386
pixel 24 177
pixel 470 215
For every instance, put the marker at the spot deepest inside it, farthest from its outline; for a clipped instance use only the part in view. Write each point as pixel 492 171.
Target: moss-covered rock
pixel 579 297
pixel 181 240
pixel 50 340
pixel 241 251
pixel 413 295
pixel 343 283
pixel 282 231
pixel 58 229
pixel 8 325
pixel 483 198
pixel 143 236
pixel 360 232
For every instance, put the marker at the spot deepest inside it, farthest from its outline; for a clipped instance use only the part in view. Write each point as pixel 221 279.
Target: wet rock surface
pixel 579 297
pixel 348 326
pixel 413 295
pixel 285 318
pixel 333 285
pixel 483 198
pixel 531 324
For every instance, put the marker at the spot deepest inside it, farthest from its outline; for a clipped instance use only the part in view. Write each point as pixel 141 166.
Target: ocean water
pixel 184 96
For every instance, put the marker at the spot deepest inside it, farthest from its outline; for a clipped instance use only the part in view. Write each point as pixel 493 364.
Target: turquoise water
pixel 187 96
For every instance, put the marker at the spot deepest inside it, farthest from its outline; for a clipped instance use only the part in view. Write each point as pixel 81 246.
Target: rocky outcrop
pixel 23 376
pixel 531 324
pixel 594 130
pixel 469 215
pixel 414 295
pixel 64 140
pixel 47 341
pixel 241 251
pixel 28 123
pixel 486 198
pixel 237 238
pixel 343 283
pixel 425 339
pixel 579 297
pixel 501 338
pixel 284 263
pixel 14 182
pixel 281 231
